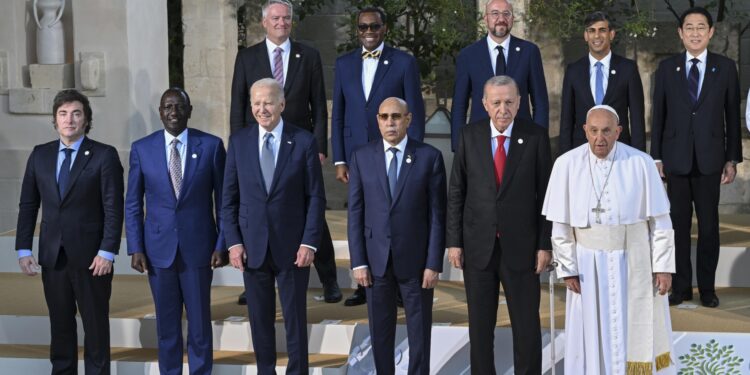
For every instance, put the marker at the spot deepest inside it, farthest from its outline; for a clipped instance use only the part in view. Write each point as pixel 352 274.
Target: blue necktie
pixel 392 169
pixel 64 175
pixel 599 84
pixel 500 62
pixel 267 163
pixel 693 80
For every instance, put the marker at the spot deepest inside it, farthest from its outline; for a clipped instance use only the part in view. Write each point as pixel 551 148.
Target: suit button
pixel 693 113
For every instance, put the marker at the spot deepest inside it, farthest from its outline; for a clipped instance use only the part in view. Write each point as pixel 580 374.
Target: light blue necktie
pixel 392 169
pixel 267 163
pixel 599 84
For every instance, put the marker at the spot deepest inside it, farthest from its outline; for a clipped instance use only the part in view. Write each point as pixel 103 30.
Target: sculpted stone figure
pixel 50 43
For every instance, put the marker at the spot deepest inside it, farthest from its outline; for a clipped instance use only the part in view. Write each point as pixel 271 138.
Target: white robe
pixel 596 319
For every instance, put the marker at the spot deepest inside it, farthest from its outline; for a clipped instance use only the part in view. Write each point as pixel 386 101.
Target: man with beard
pixel 364 78
pixel 498 54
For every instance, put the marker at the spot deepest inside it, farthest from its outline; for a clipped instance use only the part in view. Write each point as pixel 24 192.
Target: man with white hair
pixel 614 244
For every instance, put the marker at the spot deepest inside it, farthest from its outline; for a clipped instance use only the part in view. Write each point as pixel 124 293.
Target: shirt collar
pixel 75 146
pixel 286 46
pixel 182 137
pixel 401 146
pixel 610 157
pixel 494 132
pixel 276 131
pixel 701 57
pixel 605 61
pixel 491 44
pixel 380 48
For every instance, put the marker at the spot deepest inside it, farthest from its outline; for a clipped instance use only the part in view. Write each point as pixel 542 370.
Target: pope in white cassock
pixel 614 244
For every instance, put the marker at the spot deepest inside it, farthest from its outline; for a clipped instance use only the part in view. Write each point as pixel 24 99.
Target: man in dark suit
pixel 364 78
pixel 298 69
pixel 78 183
pixel 696 143
pixel 505 160
pixel 272 213
pixel 601 77
pixel 177 240
pixel 498 54
pixel 396 228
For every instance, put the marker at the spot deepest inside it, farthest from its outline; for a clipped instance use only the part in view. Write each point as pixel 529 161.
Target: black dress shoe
pixel 709 299
pixel 677 298
pixel 357 298
pixel 242 300
pixel 331 292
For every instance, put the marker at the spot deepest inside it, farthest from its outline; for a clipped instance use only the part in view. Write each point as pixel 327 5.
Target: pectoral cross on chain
pixel 598 210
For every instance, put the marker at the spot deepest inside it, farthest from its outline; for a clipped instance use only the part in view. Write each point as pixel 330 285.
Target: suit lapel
pixel 709 78
pixel 612 77
pixel 263 61
pixel 192 159
pixel 383 65
pixel 285 149
pixel 682 79
pixel 584 71
pixel 516 148
pixel 50 154
pixel 82 158
pixel 294 62
pixel 514 56
pixel 482 141
pixel 406 165
pixel 253 157
pixel 378 154
pixel 161 155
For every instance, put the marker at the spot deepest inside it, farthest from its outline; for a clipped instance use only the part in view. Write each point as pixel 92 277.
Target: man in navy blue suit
pixel 499 53
pixel 364 78
pixel 396 229
pixel 273 205
pixel 177 239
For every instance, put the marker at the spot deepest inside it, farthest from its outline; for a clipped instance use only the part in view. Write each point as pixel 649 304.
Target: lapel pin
pixel 613 71
pixel 289 142
pixel 518 49
pixel 297 55
pixel 408 159
pixel 385 62
pixel 678 68
pixel 195 156
pixel 713 69
pixel 520 141
pixel 86 153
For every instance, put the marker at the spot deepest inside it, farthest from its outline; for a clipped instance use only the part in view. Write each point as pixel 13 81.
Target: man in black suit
pixel 79 185
pixel 505 160
pixel 298 69
pixel 601 77
pixel 696 143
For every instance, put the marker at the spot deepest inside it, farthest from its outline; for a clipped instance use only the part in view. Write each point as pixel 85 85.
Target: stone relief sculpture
pixel 50 42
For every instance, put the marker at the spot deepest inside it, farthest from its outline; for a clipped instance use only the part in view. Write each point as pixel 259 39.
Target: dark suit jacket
pixel 87 219
pixel 288 215
pixel 170 224
pixel 304 89
pixel 710 129
pixel 624 91
pixel 473 219
pixel 474 68
pixel 409 226
pixel 354 121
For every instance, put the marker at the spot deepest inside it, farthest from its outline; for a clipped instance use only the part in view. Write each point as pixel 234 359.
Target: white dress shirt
pixel 605 73
pixel 287 49
pixel 492 47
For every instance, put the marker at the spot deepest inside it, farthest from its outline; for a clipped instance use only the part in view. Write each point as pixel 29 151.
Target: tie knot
pixel 695 61
pixel 500 48
pixel 68 152
pixel 501 138
pixel 278 50
pixel 394 150
pixel 268 137
pixel 175 142
pixel 370 55
pixel 598 65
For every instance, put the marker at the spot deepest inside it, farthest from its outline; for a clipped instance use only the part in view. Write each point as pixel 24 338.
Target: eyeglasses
pixel 505 14
pixel 393 116
pixel 700 29
pixel 372 26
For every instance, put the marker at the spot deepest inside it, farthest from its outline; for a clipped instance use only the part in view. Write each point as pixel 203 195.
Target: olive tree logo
pixel 710 359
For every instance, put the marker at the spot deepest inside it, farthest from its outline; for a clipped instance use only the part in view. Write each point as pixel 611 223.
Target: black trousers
pixel 325 258
pixel 522 295
pixel 67 290
pixel 701 191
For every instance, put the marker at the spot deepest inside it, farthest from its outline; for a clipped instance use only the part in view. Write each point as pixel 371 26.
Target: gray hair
pixel 285 3
pixel 398 100
pixel 501 81
pixel 606 108
pixel 271 83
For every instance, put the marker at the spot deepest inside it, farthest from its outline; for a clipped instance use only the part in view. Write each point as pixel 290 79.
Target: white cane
pixel 551 271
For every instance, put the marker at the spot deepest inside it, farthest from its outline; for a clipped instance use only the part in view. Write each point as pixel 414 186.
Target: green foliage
pixel 710 359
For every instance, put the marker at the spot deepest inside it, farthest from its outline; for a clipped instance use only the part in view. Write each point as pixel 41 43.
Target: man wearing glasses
pixel 696 143
pixel 364 78
pixel 498 54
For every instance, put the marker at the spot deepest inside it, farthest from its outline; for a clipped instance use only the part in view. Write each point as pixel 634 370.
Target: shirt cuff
pixel 360 268
pixel 339 163
pixel 106 255
pixel 24 253
pixel 315 250
pixel 233 246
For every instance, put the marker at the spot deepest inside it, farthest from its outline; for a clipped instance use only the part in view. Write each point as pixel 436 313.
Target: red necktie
pixel 500 160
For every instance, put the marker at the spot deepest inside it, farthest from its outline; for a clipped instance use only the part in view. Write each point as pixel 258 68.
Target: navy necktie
pixel 500 62
pixel 267 162
pixel 599 84
pixel 693 80
pixel 64 175
pixel 392 171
